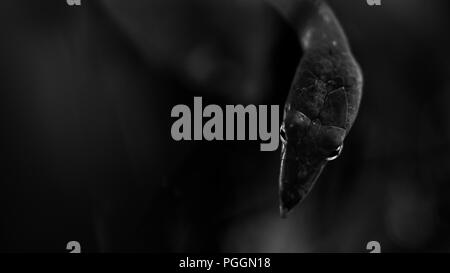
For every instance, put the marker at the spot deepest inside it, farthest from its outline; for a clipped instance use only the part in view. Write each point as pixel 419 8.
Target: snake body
pixel 323 100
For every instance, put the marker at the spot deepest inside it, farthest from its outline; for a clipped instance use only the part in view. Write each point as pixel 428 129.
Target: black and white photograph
pixel 225 127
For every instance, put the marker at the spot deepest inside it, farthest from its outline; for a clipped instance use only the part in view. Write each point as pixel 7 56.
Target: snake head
pixel 307 146
pixel 320 110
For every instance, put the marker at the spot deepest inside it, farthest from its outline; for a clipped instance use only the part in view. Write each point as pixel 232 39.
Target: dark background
pixel 86 152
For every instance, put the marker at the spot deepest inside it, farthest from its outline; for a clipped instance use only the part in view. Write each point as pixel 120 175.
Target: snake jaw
pixel 307 146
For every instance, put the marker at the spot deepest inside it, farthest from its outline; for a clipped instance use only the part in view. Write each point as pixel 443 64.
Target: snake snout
pixel 296 181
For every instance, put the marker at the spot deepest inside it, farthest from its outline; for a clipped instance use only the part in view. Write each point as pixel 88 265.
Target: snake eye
pixel 335 154
pixel 283 134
